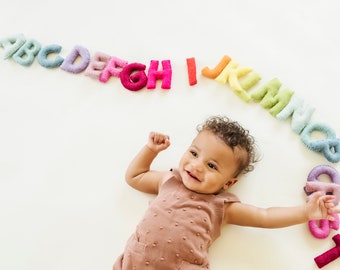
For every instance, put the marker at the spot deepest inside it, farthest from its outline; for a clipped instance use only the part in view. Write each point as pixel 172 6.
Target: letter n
pixel 300 113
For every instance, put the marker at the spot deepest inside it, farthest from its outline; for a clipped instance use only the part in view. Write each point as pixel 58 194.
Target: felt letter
pixel 271 98
pixel 213 73
pixel 330 255
pixel 231 74
pixel 250 80
pixel 321 228
pixel 50 63
pixel 71 64
pixel 97 65
pixel 12 44
pixel 113 68
pixel 26 54
pixel 164 75
pixel 331 172
pixel 324 188
pixel 133 76
pixel 329 146
pixel 301 114
pixel 191 65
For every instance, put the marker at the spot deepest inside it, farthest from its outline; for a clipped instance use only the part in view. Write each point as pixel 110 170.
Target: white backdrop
pixel 66 139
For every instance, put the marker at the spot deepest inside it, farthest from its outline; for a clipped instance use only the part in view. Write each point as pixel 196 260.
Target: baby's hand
pixel 320 206
pixel 158 142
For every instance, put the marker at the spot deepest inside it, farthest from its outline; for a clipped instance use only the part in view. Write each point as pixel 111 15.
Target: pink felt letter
pixel 97 65
pixel 154 74
pixel 133 76
pixel 113 68
pixel 330 255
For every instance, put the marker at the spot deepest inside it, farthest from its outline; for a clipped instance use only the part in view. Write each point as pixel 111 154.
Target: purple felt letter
pixel 71 64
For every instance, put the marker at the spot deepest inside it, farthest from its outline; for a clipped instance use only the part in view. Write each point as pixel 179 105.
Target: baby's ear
pixel 230 183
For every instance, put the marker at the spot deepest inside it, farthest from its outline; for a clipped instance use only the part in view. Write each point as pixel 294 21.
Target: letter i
pixel 191 66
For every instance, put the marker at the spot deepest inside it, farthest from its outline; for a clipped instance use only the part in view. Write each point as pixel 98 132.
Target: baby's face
pixel 208 165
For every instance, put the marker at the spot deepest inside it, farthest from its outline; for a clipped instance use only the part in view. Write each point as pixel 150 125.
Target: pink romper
pixel 176 231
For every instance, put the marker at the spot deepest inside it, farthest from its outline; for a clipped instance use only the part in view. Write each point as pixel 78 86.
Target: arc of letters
pixel 282 104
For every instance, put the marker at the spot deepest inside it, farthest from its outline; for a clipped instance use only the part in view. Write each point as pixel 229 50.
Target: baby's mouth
pixel 193 176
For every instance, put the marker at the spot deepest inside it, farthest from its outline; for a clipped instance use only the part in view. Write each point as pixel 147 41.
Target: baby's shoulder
pixel 229 197
pixel 172 173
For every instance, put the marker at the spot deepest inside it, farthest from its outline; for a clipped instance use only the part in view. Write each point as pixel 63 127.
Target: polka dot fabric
pixel 176 231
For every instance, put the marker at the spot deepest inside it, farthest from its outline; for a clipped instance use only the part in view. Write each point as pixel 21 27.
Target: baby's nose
pixel 197 165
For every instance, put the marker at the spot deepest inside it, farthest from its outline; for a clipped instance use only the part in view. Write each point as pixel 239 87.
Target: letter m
pixel 271 98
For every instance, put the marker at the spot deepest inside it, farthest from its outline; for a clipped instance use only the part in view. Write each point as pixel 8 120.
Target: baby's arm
pixel 138 174
pixel 317 207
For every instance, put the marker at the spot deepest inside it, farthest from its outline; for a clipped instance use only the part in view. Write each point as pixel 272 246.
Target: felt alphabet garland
pixel 282 104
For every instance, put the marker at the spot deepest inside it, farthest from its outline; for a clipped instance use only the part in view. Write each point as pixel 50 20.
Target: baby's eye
pixel 193 153
pixel 212 166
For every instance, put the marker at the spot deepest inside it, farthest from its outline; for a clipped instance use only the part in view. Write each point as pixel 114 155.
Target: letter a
pixel 12 44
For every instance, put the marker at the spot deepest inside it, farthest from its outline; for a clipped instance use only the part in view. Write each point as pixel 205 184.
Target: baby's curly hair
pixel 235 136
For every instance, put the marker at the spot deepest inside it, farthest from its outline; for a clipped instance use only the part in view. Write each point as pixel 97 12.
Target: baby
pixel 192 202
